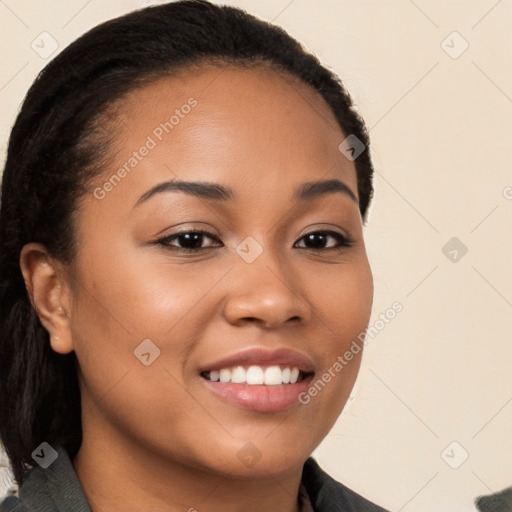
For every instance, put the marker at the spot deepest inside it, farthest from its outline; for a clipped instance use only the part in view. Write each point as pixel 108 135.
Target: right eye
pixel 188 240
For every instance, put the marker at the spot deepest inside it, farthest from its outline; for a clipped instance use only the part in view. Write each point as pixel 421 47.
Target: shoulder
pixel 326 494
pixel 498 502
pixel 11 504
pixel 55 488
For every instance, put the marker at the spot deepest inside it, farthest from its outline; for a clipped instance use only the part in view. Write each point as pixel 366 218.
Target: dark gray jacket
pixel 498 502
pixel 57 489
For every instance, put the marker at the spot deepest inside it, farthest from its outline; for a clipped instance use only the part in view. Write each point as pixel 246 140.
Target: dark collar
pixel 498 502
pixel 54 489
pixel 326 494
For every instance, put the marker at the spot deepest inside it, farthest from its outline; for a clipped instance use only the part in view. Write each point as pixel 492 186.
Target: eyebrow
pixel 217 192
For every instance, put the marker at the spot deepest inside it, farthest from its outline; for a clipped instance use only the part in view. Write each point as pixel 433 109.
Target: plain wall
pixel 440 126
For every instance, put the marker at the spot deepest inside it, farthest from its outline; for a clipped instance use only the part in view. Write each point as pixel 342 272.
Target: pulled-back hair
pixel 57 146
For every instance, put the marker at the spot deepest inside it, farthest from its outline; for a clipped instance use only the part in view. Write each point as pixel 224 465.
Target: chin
pixel 264 459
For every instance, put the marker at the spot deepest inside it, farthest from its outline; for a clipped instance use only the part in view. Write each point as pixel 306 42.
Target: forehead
pixel 253 128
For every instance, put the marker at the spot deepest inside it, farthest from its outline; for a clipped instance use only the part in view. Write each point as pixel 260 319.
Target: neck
pixel 118 475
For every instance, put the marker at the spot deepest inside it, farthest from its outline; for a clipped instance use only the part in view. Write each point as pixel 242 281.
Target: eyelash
pixel 343 241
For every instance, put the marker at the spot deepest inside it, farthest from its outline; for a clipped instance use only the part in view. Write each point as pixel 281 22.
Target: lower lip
pixel 259 398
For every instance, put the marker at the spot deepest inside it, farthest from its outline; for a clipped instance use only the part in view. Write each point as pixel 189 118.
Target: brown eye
pixel 190 241
pixel 317 240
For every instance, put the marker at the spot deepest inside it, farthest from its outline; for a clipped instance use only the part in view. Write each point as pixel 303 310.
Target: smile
pixel 256 375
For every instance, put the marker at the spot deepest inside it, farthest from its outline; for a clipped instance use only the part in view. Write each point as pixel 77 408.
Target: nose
pixel 265 291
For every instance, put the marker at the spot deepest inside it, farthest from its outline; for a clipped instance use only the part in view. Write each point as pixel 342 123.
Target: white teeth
pixel 256 375
pixel 225 375
pixel 239 375
pixel 273 375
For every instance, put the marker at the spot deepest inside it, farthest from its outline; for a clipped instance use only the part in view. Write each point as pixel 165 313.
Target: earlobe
pixel 46 289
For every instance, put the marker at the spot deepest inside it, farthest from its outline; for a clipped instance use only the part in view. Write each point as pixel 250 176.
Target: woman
pixel 183 269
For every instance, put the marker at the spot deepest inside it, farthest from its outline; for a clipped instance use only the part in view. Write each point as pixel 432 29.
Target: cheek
pixel 134 299
pixel 119 307
pixel 344 302
pixel 344 305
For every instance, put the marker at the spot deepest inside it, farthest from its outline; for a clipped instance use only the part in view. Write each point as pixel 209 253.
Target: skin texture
pixel 155 438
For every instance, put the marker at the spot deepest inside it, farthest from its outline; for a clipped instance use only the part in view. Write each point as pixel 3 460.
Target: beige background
pixel 440 125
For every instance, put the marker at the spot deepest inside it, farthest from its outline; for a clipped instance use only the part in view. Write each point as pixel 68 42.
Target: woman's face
pixel 148 319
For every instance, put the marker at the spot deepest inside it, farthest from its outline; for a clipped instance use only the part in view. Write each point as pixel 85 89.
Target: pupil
pixel 321 237
pixel 192 240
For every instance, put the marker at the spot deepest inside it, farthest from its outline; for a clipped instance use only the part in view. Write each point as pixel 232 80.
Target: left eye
pixel 322 236
pixel 189 240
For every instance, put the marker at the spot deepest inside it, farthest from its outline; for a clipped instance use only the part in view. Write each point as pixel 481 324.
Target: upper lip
pixel 261 356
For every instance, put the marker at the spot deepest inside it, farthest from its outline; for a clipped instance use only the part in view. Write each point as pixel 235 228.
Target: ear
pixel 49 294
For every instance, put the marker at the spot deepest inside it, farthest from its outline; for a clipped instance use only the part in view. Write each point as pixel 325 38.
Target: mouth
pixel 259 380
